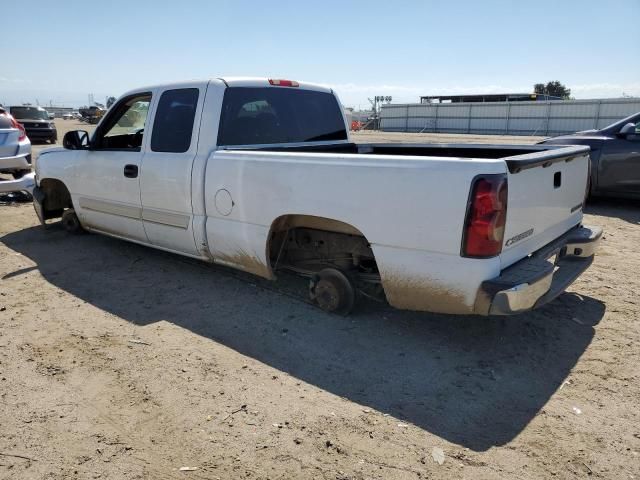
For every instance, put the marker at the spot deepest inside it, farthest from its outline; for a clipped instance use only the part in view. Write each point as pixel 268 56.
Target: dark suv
pixel 36 122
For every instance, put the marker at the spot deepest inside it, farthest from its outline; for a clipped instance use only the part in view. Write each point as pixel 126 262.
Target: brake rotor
pixel 332 291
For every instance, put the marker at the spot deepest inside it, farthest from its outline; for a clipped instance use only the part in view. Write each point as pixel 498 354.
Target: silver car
pixel 15 147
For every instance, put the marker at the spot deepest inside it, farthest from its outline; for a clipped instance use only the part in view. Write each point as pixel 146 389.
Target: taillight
pixel 283 83
pixel 486 217
pixel 15 124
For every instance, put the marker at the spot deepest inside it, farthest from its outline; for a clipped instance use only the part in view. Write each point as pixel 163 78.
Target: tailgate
pixel 546 195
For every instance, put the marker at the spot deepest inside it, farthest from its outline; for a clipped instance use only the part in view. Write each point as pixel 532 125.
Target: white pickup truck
pixel 261 175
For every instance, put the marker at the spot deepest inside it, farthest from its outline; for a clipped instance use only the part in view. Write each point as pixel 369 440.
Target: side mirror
pixel 628 129
pixel 76 140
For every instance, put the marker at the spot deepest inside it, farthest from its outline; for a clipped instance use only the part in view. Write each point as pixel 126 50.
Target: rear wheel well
pixel 307 244
pixel 56 197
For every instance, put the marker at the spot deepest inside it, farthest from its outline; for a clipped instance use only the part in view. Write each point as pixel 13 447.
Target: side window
pixel 173 124
pixel 123 129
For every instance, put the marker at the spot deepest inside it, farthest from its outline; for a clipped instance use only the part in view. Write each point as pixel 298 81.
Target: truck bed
pixel 546 184
pixel 517 157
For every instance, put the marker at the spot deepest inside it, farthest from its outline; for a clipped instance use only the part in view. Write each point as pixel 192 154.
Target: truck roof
pixel 234 82
pixel 264 82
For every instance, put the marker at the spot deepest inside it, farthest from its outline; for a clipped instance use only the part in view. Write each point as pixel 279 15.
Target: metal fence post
pixel 548 117
pixel 435 126
pixel 506 127
pixel 469 121
pixel 406 120
pixel 595 126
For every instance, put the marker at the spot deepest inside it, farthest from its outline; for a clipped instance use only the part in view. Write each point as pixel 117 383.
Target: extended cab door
pixel 106 186
pixel 165 182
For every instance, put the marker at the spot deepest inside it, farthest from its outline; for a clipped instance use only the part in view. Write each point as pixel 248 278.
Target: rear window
pixel 173 125
pixel 253 116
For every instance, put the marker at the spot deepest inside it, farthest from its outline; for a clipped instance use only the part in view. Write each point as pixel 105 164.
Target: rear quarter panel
pixel 410 209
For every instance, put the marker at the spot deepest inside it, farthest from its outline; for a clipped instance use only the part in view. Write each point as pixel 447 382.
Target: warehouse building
pixel 489 97
pixel 533 117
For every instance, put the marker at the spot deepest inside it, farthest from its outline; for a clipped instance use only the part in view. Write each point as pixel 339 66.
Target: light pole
pixel 376 103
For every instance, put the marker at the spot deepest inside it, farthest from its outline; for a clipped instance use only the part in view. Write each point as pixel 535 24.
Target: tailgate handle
pixel 557 179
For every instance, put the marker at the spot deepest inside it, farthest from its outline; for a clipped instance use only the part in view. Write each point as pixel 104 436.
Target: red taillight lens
pixel 486 217
pixel 283 83
pixel 15 124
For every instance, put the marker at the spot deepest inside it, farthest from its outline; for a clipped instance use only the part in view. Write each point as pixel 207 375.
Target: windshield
pixel 635 118
pixel 29 113
pixel 268 115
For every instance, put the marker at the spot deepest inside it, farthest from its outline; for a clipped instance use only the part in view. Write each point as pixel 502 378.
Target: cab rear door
pixel 165 181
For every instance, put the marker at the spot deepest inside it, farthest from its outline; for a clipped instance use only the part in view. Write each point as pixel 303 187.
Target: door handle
pixel 131 171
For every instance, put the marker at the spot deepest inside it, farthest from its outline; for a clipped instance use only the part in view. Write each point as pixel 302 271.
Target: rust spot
pixel 423 294
pixel 244 261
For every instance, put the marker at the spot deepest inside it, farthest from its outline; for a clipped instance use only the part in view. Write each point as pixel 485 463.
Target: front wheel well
pixel 56 197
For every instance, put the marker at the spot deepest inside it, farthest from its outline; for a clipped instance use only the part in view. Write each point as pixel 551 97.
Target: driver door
pixel 107 187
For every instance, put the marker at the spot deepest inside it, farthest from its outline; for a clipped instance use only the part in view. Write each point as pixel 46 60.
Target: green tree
pixel 554 88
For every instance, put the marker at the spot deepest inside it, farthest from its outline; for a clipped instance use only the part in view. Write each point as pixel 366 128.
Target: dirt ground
pixel 121 362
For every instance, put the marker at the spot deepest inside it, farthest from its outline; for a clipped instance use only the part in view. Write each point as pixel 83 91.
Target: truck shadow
pixel 624 209
pixel 473 381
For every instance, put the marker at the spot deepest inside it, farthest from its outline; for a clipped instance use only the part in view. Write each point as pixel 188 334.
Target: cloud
pixel 353 87
pixel 608 89
pixel 12 80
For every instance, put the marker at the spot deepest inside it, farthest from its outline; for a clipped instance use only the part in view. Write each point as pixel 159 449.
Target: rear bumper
pixel 25 184
pixel 19 162
pixel 40 134
pixel 538 279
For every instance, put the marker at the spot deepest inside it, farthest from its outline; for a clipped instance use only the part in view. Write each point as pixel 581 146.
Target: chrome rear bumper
pixel 24 184
pixel 538 279
pixel 18 162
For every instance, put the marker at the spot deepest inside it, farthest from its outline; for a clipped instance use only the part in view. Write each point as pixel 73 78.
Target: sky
pixel 61 51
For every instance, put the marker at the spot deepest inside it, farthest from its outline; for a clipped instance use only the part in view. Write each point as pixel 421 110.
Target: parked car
pixel 36 122
pixel 615 157
pixel 260 175
pixel 15 147
pixel 67 116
